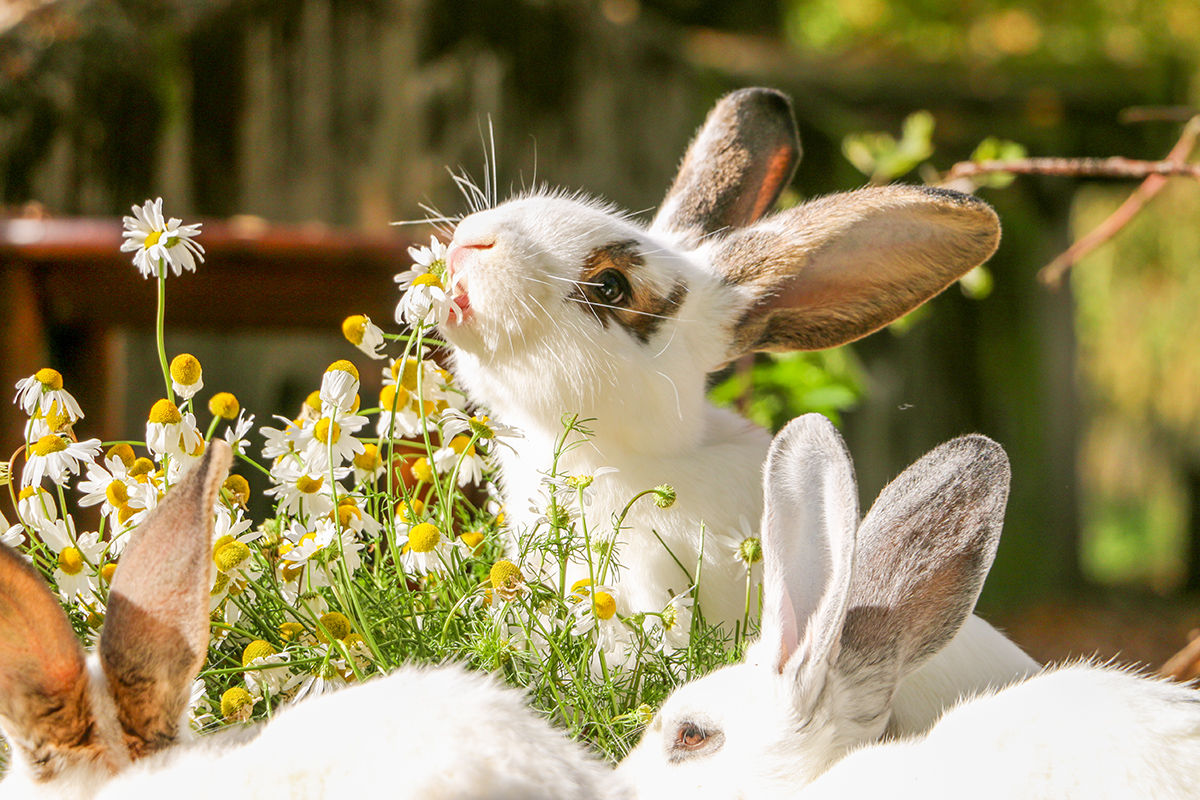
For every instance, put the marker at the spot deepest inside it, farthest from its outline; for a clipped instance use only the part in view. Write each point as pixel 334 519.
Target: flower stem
pixel 160 327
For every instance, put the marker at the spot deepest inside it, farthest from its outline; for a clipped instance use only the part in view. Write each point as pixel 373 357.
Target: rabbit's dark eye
pixel 611 287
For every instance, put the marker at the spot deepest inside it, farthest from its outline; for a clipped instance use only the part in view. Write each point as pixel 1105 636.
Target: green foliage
pixel 781 386
pixel 995 149
pixel 882 157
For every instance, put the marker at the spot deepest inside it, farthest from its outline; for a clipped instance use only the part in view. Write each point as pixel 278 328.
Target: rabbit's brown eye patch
pixel 690 737
pixel 615 285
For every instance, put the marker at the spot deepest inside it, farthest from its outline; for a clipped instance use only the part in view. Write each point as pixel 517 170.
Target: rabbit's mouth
pixel 459 294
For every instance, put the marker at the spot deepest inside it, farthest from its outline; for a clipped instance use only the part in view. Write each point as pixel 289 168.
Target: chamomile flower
pixel 14 536
pixel 323 678
pixel 53 456
pixel 236 433
pixel 282 441
pixel 200 710
pixel 187 377
pixel 453 422
pixel 339 387
pixel 671 629
pixel 301 491
pixel 423 549
pixel 268 672
pixel 461 453
pixel 594 612
pixel 364 334
pixel 368 465
pixel 75 575
pixel 331 440
pixel 157 243
pixel 44 390
pixel 36 506
pixel 171 433
pixel 425 300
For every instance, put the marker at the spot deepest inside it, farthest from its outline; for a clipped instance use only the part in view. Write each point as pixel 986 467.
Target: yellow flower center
pixel 259 648
pixel 473 540
pixel 480 427
pixel 236 703
pixel 405 373
pixel 606 606
pixel 424 537
pixel 428 279
pixel 309 485
pixel 57 418
pixel 50 443
pixel 422 470
pixel 336 623
pixel 106 572
pixel 326 431
pixel 393 398
pixel 164 412
pixel 125 511
pixel 122 451
pixel 347 515
pixel 505 573
pixel 344 366
pixel 141 466
pixel 411 510
pixel 185 369
pixel 50 379
pixel 369 459
pixel 582 587
pixel 313 401
pixel 224 405
pixel 462 444
pixel 290 630
pixel 152 239
pixel 239 487
pixel 70 561
pixel 354 328
pixel 229 555
pixel 29 491
pixel 219 584
pixel 117 494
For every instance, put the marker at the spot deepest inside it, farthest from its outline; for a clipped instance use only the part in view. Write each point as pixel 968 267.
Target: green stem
pixel 160 327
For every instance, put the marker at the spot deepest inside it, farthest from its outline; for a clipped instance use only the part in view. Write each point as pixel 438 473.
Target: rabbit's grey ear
pixel 808 539
pixel 736 166
pixel 837 268
pixel 924 550
pixel 155 634
pixel 44 704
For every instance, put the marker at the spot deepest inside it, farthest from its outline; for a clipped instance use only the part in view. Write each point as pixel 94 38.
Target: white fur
pixel 1079 731
pixel 428 733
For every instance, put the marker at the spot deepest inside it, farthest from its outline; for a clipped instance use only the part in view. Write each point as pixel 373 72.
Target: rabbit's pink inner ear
pixel 840 267
pixel 43 678
pixel 156 631
pixel 777 172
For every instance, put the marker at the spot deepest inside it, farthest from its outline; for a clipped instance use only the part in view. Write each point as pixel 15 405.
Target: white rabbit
pixel 114 725
pixel 849 611
pixel 571 307
pixel 1079 731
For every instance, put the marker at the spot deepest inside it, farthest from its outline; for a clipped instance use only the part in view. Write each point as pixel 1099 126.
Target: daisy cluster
pixel 373 534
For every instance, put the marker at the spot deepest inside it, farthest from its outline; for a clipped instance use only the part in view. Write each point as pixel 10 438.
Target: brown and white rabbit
pixel 114 724
pixel 569 306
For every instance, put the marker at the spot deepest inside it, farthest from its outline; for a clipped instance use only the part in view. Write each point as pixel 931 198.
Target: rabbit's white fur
pixel 1077 731
pixel 708 282
pixel 114 724
pixel 849 610
pixel 426 733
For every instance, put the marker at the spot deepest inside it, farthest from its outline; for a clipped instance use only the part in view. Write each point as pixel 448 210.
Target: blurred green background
pixel 348 112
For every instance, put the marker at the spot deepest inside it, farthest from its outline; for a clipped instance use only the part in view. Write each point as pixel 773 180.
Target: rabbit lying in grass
pixel 851 611
pixel 570 306
pixel 114 725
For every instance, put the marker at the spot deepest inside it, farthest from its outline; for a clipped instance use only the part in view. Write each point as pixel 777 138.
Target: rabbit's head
pixel 848 611
pixel 570 305
pixel 73 722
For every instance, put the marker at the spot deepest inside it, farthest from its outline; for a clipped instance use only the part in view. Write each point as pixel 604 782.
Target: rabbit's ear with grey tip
pixel 155 634
pixel 924 550
pixel 44 705
pixel 808 537
pixel 739 161
pixel 834 269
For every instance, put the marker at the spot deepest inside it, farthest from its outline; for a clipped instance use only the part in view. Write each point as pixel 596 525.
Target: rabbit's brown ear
pixel 156 631
pixel 736 166
pixel 44 705
pixel 835 269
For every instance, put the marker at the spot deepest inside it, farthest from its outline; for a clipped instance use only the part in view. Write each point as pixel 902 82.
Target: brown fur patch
pixel 646 309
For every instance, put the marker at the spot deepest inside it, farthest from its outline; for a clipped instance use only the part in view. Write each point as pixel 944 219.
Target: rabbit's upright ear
pixel 155 634
pixel 924 550
pixel 736 166
pixel 808 540
pixel 837 268
pixel 44 704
